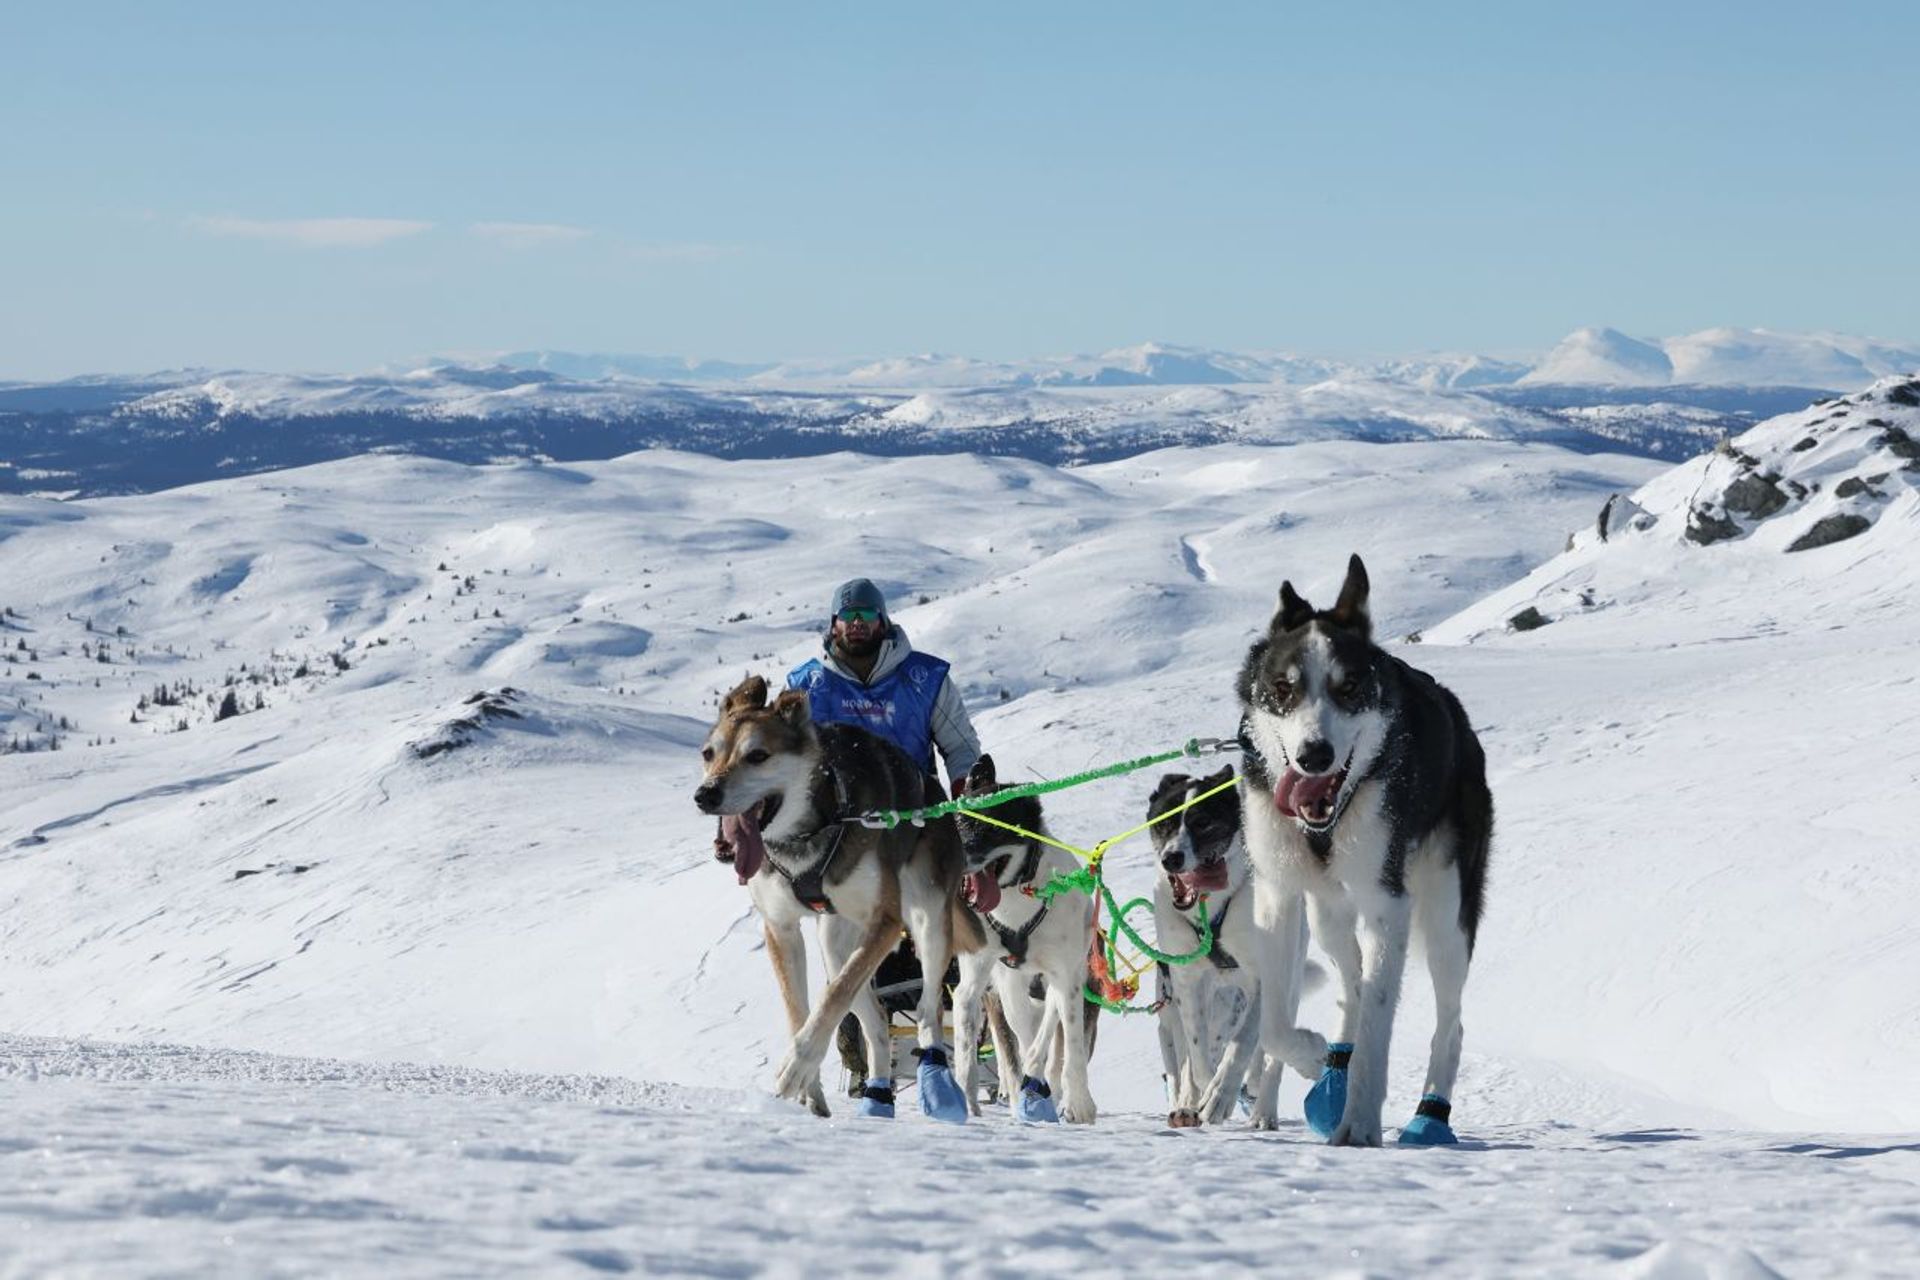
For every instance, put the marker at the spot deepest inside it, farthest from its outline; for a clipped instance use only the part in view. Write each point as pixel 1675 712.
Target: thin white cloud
pixel 528 235
pixel 312 233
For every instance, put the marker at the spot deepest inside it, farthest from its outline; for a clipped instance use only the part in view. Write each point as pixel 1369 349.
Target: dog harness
pixel 1221 957
pixel 809 884
pixel 1016 940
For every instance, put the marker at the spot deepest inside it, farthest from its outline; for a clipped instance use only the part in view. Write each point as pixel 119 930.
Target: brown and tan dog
pixel 781 785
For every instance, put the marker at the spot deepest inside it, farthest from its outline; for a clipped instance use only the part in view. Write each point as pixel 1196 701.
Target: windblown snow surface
pixel 420 965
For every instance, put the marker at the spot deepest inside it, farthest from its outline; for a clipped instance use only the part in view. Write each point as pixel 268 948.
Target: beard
pixel 861 648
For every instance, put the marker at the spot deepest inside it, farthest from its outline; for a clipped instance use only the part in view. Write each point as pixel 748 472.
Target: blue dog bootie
pixel 940 1096
pixel 1429 1127
pixel 1327 1100
pixel 1035 1103
pixel 876 1100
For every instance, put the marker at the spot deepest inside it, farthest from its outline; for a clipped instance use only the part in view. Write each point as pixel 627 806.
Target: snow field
pixel 1695 923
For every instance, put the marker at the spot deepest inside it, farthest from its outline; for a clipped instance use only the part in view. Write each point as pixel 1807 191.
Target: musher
pixel 871 675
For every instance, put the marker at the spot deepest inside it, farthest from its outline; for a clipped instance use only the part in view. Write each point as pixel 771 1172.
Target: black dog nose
pixel 1316 756
pixel 1175 862
pixel 707 796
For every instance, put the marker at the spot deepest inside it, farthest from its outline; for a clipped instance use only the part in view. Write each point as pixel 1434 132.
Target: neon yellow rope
pixel 1091 880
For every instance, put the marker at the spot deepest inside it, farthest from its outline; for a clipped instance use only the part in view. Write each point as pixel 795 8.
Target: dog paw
pixel 1325 1105
pixel 1356 1133
pixel 1263 1123
pixel 1079 1113
pixel 797 1082
pixel 1183 1118
pixel 1035 1103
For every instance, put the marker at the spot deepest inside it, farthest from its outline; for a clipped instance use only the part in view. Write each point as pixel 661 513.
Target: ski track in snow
pixel 223 1163
pixel 39 834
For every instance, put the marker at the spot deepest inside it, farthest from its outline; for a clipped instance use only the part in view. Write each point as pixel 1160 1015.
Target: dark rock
pixel 488 704
pixel 1831 529
pixel 1853 486
pixel 1617 514
pixel 1907 393
pixel 1528 619
pixel 1805 445
pixel 1706 528
pixel 1799 490
pixel 1900 443
pixel 1754 495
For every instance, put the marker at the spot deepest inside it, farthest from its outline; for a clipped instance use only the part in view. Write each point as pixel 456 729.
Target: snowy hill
pixel 1752 617
pixel 1724 357
pixel 1742 525
pixel 450 824
pixel 617 600
pixel 1606 356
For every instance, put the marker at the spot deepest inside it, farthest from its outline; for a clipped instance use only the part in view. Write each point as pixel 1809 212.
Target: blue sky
pixel 340 186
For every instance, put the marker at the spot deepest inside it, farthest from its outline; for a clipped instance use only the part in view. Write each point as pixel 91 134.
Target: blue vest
pixel 899 708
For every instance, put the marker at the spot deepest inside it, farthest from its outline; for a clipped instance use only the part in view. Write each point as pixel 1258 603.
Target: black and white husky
pixel 1209 1009
pixel 1209 1014
pixel 1364 793
pixel 1034 958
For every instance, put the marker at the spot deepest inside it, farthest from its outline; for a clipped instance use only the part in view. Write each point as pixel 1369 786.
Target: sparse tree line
pixel 169 706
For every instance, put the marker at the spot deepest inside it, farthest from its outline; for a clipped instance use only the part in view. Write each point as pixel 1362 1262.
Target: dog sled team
pixel 1361 818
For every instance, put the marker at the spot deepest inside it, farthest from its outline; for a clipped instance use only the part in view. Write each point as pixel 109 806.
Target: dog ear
pixel 1294 612
pixel 981 777
pixel 1225 774
pixel 1350 611
pixel 1167 792
pixel 793 707
pixel 749 695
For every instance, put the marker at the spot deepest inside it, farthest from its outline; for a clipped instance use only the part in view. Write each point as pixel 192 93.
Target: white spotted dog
pixel 780 784
pixel 1365 800
pixel 1034 958
pixel 1209 1011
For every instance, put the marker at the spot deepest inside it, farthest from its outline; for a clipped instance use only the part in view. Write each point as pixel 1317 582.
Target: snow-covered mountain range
pixel 1598 392
pixel 445 819
pixel 1723 356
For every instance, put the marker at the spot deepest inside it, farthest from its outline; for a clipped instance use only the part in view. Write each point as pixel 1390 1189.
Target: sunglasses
pixel 859 615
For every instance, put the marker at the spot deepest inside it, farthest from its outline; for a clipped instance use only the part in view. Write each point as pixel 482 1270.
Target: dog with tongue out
pixel 1365 805
pixel 783 788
